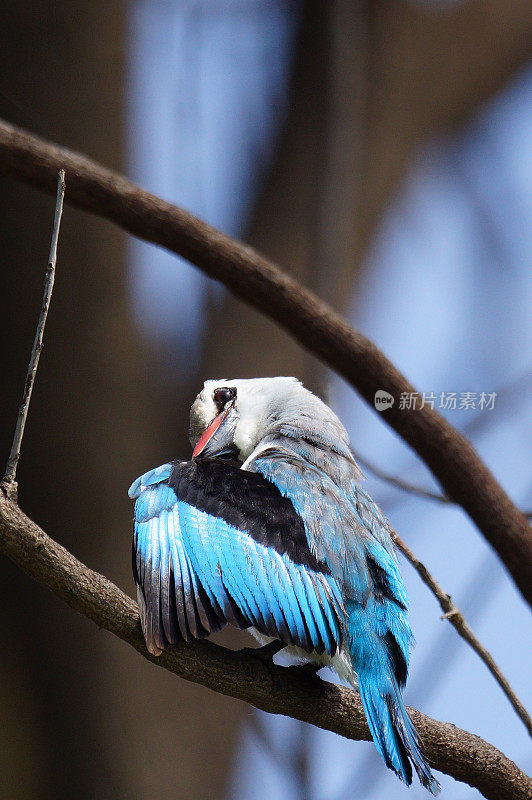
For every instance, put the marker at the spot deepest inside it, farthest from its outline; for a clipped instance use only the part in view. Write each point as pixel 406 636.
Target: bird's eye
pixel 223 395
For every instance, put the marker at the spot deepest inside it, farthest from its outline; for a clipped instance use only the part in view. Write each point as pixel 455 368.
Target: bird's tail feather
pixel 392 730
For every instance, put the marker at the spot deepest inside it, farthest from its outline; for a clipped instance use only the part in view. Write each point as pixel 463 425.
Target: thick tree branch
pixel 463 476
pixel 451 750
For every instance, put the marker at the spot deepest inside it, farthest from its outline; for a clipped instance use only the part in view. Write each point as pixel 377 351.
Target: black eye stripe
pixel 223 395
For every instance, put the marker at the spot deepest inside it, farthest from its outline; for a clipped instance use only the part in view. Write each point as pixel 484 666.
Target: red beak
pixel 208 433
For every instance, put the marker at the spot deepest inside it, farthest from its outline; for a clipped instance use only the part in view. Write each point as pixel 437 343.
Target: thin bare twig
pixel 406 486
pixel 12 462
pixel 399 483
pixel 453 614
pixel 452 750
pixel 462 474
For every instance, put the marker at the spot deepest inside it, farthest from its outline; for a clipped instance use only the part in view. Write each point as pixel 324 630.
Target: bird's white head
pixel 236 415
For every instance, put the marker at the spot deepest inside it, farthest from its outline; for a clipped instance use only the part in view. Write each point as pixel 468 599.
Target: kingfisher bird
pixel 268 528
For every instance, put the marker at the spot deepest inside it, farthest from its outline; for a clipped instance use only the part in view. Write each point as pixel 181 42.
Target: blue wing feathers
pixel 307 632
pixel 150 478
pixel 316 603
pixel 261 590
pixel 169 603
pixel 320 631
pixel 218 570
pixel 291 608
pixel 305 615
pixel 276 621
pixel 327 602
pixel 199 613
pixel 154 606
pixel 167 590
pixel 233 579
pixel 195 572
pixel 183 586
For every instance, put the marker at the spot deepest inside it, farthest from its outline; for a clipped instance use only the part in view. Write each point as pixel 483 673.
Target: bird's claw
pixel 308 675
pixel 265 655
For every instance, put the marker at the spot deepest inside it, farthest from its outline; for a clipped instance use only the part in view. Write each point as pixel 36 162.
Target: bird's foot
pixel 265 655
pixel 308 675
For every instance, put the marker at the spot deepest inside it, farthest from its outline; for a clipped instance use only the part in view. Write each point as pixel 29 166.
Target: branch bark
pixel 462 755
pixel 464 478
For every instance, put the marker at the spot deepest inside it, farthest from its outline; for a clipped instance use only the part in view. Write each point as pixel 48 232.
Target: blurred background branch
pixel 426 70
